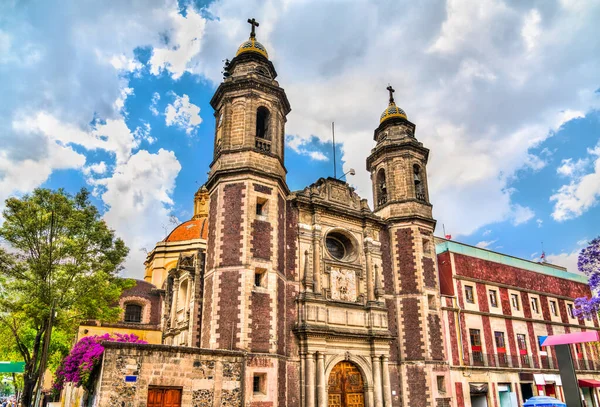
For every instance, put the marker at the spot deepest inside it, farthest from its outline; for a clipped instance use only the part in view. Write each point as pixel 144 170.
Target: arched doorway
pixel 346 386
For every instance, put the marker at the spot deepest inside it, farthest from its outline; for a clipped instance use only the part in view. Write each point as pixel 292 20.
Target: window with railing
pixel 534 306
pixel 522 345
pixel 419 186
pixel 514 300
pixel 476 353
pixel 553 308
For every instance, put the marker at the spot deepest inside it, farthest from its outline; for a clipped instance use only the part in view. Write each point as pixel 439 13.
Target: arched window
pixel 262 123
pixel 419 187
pixel 133 313
pixel 381 188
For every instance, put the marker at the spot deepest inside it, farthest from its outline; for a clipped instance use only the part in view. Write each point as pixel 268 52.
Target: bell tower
pixel 250 111
pixel 398 171
pixel 245 284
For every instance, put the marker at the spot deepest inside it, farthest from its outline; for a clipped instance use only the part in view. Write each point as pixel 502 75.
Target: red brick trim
pixel 453 337
pixel 436 343
pixel 260 325
pixel 229 309
pixel 233 227
pixel 405 256
pixel 412 329
pixel 416 379
pixel 429 272
pixel 263 189
pixel 460 398
pixel 261 239
pixel 386 261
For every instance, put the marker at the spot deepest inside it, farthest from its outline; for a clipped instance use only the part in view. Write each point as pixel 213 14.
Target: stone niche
pixel 205 378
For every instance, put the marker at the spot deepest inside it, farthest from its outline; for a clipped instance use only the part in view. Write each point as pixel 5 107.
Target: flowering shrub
pixel 79 364
pixel 589 264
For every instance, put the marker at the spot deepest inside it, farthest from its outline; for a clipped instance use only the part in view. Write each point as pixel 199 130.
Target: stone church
pixel 302 298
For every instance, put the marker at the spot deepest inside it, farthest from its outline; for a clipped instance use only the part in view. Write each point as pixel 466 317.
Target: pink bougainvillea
pixel 78 365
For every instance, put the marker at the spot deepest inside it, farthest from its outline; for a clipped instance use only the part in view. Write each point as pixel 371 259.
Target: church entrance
pixel 346 386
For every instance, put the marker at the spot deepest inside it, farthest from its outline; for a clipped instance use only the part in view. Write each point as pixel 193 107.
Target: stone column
pixel 370 286
pixel 321 382
pixel 174 302
pixel 387 390
pixel 310 380
pixel 317 259
pixel 376 362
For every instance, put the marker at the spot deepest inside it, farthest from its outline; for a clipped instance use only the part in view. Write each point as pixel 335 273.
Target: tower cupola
pixel 392 110
pixel 252 45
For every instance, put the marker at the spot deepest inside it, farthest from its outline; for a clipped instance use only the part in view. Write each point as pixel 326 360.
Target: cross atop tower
pixel 254 24
pixel 391 90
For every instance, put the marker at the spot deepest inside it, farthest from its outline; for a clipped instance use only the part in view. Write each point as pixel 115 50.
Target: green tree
pixel 59 255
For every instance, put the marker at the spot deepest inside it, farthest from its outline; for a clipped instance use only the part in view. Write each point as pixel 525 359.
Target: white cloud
pixel 539 223
pixel 582 193
pixel 98 168
pixel 568 260
pixel 155 99
pixel 487 232
pixel 183 114
pixel 531 29
pixel 521 214
pixel 484 244
pixel 138 197
pixel 568 168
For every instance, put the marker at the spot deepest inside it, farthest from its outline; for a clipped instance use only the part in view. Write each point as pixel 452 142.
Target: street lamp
pixel 351 172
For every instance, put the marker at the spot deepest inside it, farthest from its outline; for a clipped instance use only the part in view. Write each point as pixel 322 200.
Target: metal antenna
pixel 333 133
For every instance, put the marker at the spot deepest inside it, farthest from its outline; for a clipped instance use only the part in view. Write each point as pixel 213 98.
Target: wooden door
pixel 164 397
pixel 346 386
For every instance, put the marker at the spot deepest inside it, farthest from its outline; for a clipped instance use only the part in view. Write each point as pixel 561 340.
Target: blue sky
pixel 115 97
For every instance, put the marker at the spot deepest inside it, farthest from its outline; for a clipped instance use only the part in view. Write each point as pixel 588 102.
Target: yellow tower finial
pixel 201 199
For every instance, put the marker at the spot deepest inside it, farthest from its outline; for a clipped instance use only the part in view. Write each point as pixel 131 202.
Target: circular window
pixel 339 246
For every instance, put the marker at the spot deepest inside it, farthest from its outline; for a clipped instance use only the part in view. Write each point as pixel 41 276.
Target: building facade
pixel 325 302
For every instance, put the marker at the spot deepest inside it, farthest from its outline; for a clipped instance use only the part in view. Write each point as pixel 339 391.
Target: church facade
pixel 340 302
pixel 306 298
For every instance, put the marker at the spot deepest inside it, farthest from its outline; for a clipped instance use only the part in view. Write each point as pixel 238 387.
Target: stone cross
pixel 254 24
pixel 390 89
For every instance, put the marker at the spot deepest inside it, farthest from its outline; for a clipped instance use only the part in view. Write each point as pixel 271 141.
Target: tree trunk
pixel 27 395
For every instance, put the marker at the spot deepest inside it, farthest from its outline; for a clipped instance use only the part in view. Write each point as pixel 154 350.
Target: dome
pixel 392 111
pixel 252 46
pixel 192 229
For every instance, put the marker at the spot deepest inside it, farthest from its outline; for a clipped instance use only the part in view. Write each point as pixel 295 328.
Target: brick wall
pixel 386 261
pixel 503 274
pixel 393 328
pixel 436 344
pixel 445 271
pixel 281 314
pixel 212 229
pixel 417 386
pixel 489 340
pixel 229 309
pixel 262 189
pixel 260 315
pixel 231 233
pixel 453 337
pixel 460 398
pixel 429 272
pixel 194 371
pixel 291 237
pixel 280 234
pixel 406 261
pixel 261 239
pixel 412 329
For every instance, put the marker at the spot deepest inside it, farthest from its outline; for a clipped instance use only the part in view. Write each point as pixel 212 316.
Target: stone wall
pixel 207 378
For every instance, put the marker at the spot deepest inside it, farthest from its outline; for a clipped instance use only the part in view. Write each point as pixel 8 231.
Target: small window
pixel 534 305
pixel 475 335
pixel 493 299
pixel 579 350
pixel 540 340
pixel 441 384
pixel 499 336
pixel 259 383
pixel 426 247
pixel 570 310
pixel 260 278
pixel 133 313
pixel 261 206
pixel 514 299
pixel 553 308
pixel 469 294
pixel 431 301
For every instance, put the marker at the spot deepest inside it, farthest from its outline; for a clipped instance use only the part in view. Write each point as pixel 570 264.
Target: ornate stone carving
pixel 343 285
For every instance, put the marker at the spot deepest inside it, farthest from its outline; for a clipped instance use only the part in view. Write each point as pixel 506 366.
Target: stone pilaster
pixel 377 391
pixel 321 381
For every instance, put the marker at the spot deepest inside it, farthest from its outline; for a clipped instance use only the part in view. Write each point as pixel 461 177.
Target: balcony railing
pixel 520 361
pixel 421 196
pixel 263 145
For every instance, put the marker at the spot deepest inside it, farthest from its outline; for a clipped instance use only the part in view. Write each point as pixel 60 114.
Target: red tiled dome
pixel 192 229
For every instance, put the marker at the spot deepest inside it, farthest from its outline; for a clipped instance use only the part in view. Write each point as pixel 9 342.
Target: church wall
pixel 206 378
